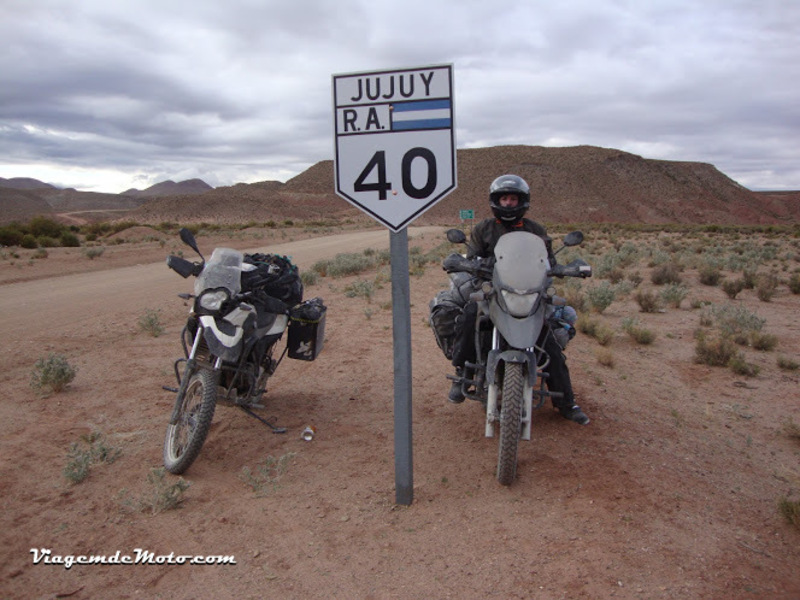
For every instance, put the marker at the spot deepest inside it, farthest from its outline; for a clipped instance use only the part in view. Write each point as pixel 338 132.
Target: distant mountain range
pixel 568 185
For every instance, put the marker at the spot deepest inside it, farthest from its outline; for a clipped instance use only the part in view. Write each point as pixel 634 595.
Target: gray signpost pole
pixel 401 330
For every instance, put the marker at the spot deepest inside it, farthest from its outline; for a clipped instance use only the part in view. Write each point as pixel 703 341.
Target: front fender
pixel 525 357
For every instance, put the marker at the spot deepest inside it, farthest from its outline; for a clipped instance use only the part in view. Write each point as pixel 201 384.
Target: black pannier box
pixel 306 329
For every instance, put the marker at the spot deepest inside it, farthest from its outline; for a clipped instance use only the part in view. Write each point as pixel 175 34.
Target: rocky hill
pixel 170 188
pixel 568 185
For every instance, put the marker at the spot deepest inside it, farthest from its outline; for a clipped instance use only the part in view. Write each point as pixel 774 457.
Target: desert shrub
pixel 162 495
pixel 763 341
pixel 596 329
pixel 732 287
pixel 714 351
pixel 674 293
pixel 740 366
pixel 45 227
pixel 93 252
pixel 342 265
pixel 575 296
pixel 39 253
pixel 710 275
pixel 647 300
pixel 790 509
pixel 360 288
pixel 69 240
pixel 605 357
pixel 794 283
pixel 82 456
pixel 52 374
pixel 309 277
pixel 733 321
pixel 666 273
pixel 29 241
pixel 601 297
pixel 749 277
pixel 787 364
pixel 150 322
pixel 638 333
pixel 635 278
pixel 264 479
pixel 45 241
pixel 766 286
pixel 10 236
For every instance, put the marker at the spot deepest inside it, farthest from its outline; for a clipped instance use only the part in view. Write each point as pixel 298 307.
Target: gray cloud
pixel 240 91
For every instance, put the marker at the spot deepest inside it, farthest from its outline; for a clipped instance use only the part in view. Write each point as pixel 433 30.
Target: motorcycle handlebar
pixel 577 268
pixel 481 268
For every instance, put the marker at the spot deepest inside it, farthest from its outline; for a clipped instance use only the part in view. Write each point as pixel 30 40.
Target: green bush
pixel 69 240
pixel 647 300
pixel 715 351
pixel 710 275
pixel 794 283
pixel 150 322
pixel 52 374
pixel 45 227
pixel 639 334
pixel 674 293
pixel 732 287
pixel 10 236
pixel 601 296
pixel 29 242
pixel 766 286
pixel 666 273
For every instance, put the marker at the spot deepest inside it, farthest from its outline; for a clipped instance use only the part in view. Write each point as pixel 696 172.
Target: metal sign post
pixel 401 335
pixel 395 157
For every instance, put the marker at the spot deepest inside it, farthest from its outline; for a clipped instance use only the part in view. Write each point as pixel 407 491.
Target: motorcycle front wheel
pixel 185 438
pixel 510 423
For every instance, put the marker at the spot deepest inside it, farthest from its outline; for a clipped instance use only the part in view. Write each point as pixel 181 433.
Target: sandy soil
pixel 671 492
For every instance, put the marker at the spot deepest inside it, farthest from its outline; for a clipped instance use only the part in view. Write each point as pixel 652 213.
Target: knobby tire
pixel 185 439
pixel 510 423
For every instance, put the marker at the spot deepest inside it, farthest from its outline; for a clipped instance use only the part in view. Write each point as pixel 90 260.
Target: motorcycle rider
pixel 509 199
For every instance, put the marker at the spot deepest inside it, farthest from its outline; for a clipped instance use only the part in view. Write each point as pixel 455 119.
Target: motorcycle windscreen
pixel 521 265
pixel 521 261
pixel 223 270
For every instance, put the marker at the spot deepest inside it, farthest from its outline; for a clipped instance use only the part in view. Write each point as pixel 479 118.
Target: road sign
pixel 395 154
pixel 466 214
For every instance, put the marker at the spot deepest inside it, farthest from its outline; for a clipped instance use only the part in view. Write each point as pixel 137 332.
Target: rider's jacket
pixel 487 232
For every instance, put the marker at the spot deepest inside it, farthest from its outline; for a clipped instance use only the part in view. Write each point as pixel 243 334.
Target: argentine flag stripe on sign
pixel 428 114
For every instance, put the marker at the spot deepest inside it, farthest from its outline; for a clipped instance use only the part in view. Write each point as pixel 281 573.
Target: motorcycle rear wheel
pixel 186 437
pixel 510 423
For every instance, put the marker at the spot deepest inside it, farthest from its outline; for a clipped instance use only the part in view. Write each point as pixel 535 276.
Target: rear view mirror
pixel 456 236
pixel 574 238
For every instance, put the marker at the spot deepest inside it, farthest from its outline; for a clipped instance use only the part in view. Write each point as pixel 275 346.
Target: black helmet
pixel 509 184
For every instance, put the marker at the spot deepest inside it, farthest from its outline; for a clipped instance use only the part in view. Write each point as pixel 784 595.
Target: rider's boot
pixel 456 396
pixel 574 413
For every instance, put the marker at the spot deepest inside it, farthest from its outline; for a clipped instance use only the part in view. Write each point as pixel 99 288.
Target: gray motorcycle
pixel 512 292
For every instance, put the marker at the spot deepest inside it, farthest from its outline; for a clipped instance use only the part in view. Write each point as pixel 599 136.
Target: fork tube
pixel 491 400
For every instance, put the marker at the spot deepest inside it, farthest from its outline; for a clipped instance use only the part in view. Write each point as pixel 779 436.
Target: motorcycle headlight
pixel 212 300
pixel 519 305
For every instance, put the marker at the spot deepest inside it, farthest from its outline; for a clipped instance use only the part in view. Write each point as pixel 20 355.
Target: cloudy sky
pixel 105 95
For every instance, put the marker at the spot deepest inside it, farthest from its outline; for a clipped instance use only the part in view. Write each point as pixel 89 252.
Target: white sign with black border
pixel 395 154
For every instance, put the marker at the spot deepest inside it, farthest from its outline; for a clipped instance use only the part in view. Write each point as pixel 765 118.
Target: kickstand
pixel 274 428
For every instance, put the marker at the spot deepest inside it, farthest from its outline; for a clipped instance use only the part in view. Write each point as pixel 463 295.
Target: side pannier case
pixel 306 329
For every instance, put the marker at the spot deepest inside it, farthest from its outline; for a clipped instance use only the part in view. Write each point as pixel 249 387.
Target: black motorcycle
pixel 241 307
